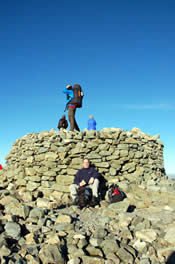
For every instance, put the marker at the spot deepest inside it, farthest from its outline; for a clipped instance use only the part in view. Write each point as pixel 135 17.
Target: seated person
pixel 86 176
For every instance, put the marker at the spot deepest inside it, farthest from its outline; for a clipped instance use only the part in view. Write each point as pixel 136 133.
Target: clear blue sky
pixel 121 52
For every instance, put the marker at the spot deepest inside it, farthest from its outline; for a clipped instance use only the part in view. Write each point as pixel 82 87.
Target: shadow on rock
pixel 103 188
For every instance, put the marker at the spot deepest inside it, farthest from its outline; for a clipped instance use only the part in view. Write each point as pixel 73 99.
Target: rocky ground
pixel 140 229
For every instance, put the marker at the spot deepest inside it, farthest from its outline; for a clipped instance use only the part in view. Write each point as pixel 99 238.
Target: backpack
pixel 78 96
pixel 62 123
pixel 115 194
pixel 84 196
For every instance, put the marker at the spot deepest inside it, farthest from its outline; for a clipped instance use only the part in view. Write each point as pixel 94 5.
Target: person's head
pixel 63 117
pixel 69 87
pixel 86 163
pixel 91 117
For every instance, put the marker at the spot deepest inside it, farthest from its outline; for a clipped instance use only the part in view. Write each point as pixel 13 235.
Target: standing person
pixel 91 123
pixel 1 167
pixel 71 108
pixel 86 176
pixel 62 123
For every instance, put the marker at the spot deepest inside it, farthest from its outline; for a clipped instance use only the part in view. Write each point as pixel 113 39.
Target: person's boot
pixel 94 201
pixel 75 201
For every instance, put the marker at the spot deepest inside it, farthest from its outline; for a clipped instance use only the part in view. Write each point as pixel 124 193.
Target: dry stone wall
pixel 48 161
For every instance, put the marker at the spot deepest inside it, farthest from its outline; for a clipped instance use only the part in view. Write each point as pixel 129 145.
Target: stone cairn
pixel 38 224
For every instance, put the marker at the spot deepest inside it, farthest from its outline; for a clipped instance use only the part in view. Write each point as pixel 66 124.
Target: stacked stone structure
pixel 48 161
pixel 39 225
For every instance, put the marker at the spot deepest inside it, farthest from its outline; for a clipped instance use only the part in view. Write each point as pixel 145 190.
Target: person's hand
pixel 82 183
pixel 91 181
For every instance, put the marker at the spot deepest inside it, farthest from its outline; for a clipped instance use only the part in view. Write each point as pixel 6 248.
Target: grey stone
pixel 4 251
pixel 37 212
pixel 124 153
pixel 63 219
pixel 129 167
pixel 82 243
pixel 92 156
pixel 103 147
pixel 120 206
pixel 100 233
pixel 93 251
pixel 145 261
pixel 64 226
pixel 102 165
pixel 148 235
pixel 168 235
pixel 104 153
pixel 31 186
pixel 123 146
pixel 112 259
pixel 60 188
pixel 42 150
pixel 116 164
pixel 109 246
pixel 24 211
pixel 51 254
pixel 78 253
pixel 96 242
pixel 125 256
pixel 92 260
pixel 112 171
pixel 74 261
pixel 13 230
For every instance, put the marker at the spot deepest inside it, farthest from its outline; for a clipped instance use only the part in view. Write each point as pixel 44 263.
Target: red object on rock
pixel 0 167
pixel 116 192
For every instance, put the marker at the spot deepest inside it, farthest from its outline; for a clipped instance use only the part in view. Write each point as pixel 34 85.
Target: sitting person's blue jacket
pixel 86 174
pixel 70 93
pixel 91 124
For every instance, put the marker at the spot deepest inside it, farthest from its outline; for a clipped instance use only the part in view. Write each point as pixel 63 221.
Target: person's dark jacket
pixel 62 123
pixel 86 174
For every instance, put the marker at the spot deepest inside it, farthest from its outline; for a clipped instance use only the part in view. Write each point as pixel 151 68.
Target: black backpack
pixel 84 196
pixel 78 96
pixel 62 123
pixel 115 194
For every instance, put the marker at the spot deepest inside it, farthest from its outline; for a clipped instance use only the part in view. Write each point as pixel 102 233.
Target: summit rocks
pixel 38 224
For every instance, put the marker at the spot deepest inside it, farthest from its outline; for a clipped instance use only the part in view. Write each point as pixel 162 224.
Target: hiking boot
pixel 75 201
pixel 94 201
